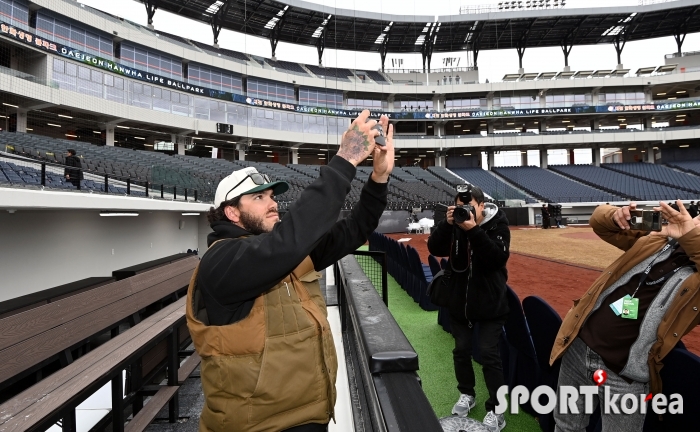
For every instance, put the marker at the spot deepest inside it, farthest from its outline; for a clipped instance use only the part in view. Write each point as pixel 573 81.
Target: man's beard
pixel 252 224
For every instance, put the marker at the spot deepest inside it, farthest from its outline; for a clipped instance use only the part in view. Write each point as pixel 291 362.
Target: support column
pixel 21 120
pixel 241 151
pixel 595 125
pixel 439 159
pixel 489 100
pixel 543 158
pixel 437 103
pixel 179 142
pixel 543 126
pixel 109 136
pixel 295 156
pixel 523 158
pixel 490 158
pixel 596 156
pixel 570 153
pixel 646 122
pixel 489 128
pixel 649 155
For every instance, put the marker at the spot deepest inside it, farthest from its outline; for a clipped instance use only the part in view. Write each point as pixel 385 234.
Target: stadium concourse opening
pixel 160 104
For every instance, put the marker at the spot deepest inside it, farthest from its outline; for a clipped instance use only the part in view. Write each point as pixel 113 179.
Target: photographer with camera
pixel 476 238
pixel 634 313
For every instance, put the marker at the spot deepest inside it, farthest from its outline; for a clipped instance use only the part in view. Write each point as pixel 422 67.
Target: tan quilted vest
pixel 272 370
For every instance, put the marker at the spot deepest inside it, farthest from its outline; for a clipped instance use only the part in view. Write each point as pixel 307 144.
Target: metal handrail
pixel 128 180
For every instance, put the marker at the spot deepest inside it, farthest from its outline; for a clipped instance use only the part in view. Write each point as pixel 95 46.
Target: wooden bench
pixel 30 301
pixel 36 335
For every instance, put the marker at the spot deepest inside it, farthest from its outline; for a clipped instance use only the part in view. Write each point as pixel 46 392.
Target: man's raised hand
pixel 358 141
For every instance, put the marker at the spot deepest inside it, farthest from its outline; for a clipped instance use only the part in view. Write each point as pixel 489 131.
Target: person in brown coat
pixel 657 271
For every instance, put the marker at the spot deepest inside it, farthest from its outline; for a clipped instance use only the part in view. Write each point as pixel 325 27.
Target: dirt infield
pixel 556 265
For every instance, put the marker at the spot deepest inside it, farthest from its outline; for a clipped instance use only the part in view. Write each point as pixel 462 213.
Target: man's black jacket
pixel 73 161
pixel 233 273
pixel 481 296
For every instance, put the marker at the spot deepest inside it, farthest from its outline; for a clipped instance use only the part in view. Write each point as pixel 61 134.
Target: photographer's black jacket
pixel 489 244
pixel 233 273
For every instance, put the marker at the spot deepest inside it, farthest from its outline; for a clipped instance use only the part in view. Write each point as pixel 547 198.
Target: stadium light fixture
pixel 30 129
pixel 118 214
pixel 267 151
pixel 71 136
pixel 684 145
pixel 139 138
pixel 681 91
pixel 10 105
pixel 148 145
pixel 680 115
pixel 65 116
pixel 672 98
pixel 97 132
pixel 623 124
pixel 632 148
pixel 214 7
pixel 54 125
pixel 467 154
pixel 190 214
pixel 660 94
pixel 430 151
pixel 123 127
pixel 566 121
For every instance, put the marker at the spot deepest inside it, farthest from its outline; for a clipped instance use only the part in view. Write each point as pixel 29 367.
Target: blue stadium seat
pixel 551 187
pixel 618 183
pixel 544 323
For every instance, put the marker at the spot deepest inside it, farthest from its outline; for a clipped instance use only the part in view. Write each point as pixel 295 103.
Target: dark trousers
pixel 311 427
pixel 75 181
pixel 489 335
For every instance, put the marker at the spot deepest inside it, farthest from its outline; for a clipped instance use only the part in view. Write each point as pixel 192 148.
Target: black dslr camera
pixel 464 212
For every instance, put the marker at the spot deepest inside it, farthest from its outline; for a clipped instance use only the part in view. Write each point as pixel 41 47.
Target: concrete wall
pixel 46 248
pixel 52 238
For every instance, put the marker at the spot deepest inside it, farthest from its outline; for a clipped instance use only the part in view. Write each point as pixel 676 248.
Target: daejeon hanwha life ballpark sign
pixel 55 48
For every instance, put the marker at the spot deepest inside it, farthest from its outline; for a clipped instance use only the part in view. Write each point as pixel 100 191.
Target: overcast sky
pixel 492 64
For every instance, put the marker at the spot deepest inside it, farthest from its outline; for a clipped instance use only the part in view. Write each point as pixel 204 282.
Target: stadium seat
pixel 523 368
pixel 434 265
pixel 680 374
pixel 544 323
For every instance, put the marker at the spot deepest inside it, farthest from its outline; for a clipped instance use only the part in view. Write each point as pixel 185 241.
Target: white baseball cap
pixel 246 181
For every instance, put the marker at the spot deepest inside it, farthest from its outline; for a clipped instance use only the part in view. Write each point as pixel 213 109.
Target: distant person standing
pixel 73 175
pixel 545 216
pixel 674 206
pixel 693 209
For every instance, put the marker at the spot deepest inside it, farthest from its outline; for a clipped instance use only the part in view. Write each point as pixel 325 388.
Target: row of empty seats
pixel 600 73
pixel 621 184
pixel 548 186
pixel 490 184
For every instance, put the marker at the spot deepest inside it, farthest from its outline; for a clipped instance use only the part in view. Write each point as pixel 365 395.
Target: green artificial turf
pixel 434 347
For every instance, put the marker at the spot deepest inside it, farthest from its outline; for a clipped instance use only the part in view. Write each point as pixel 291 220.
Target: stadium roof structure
pixel 305 23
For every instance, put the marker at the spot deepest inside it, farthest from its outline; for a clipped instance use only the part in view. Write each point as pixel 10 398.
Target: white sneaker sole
pixel 464 415
pixel 498 429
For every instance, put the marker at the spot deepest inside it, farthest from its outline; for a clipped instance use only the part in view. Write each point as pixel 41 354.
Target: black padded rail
pixel 19 304
pixel 140 268
pixel 404 404
pixel 383 342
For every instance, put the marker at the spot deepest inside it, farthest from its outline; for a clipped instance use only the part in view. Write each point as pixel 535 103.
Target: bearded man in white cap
pixel 255 309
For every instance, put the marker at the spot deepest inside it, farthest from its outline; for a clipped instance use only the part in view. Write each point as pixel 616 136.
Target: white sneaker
pixel 463 405
pixel 493 422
